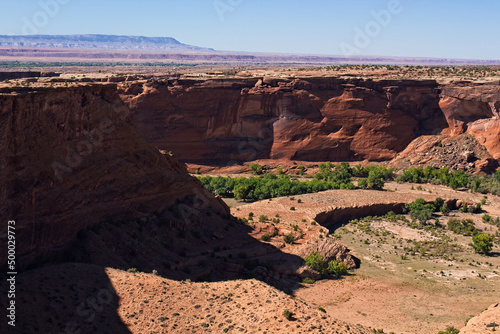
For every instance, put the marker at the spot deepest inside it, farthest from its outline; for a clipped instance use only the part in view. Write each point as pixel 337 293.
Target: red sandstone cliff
pixel 303 119
pixel 71 159
pixel 218 121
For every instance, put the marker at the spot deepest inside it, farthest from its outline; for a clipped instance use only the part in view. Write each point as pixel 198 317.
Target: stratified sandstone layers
pixel 225 120
pixel 71 159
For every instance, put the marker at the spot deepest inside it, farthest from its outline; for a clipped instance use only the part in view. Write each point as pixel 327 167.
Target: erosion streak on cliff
pixel 70 159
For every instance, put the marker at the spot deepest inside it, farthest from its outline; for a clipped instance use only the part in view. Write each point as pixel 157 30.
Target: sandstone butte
pixel 84 179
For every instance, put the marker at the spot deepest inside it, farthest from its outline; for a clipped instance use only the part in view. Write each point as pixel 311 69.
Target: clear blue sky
pixel 435 28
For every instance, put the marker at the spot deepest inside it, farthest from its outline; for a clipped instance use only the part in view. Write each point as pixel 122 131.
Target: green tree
pixel 420 210
pixel 482 243
pixel 465 226
pixel 337 268
pixel 375 180
pixel 316 262
pixel 363 183
pixel 242 191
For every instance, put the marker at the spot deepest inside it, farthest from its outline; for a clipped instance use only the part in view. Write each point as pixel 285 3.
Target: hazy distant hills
pixel 168 49
pixel 98 42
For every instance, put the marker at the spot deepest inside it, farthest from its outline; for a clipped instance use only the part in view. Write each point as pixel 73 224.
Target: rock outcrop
pixel 486 322
pixel 71 159
pixel 330 249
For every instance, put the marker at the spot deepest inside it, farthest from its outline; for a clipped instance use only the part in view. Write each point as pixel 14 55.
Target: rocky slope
pixel 459 152
pixel 56 299
pixel 225 120
pixel 474 109
pixel 71 159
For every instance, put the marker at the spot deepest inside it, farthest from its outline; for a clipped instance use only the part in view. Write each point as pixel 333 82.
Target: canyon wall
pixel 221 121
pixel 216 121
pixel 71 159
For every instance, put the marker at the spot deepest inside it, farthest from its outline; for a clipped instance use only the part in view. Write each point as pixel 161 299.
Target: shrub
pixel 363 183
pixel 438 202
pixel 266 237
pixel 450 330
pixel 465 226
pixel 263 218
pixel 289 238
pixel 316 262
pixel 256 168
pixel 302 169
pixel 337 268
pixel 375 180
pixel 308 280
pixel 288 314
pixel 486 218
pixel 321 309
pixel 132 270
pixel 420 210
pixel 464 208
pixel 292 208
pixel 444 209
pixel 482 243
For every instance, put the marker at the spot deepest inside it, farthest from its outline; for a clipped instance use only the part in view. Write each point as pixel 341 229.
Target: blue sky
pixel 419 28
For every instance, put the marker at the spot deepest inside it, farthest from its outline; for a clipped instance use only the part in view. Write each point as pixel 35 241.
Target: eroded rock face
pixel 474 109
pixel 486 322
pixel 218 121
pixel 71 159
pixel 315 119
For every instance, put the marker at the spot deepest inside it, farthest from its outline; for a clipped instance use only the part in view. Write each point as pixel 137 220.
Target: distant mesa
pixel 98 42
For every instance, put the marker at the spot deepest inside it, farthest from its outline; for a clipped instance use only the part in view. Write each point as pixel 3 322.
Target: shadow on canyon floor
pixel 65 298
pixel 70 292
